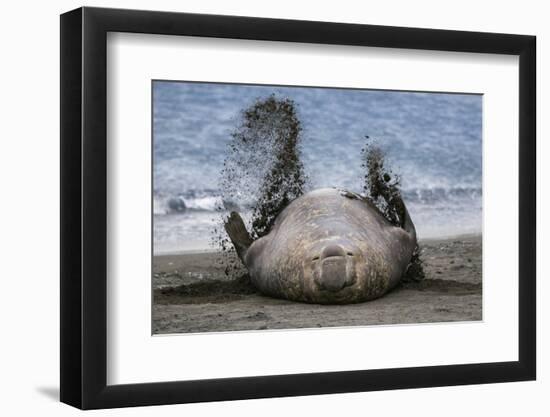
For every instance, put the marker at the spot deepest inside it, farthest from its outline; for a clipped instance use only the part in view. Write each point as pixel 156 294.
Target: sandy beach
pixel 193 294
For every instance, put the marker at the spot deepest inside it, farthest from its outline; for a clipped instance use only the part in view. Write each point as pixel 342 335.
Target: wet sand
pixel 193 294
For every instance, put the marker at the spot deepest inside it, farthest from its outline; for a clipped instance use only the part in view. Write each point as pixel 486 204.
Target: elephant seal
pixel 329 247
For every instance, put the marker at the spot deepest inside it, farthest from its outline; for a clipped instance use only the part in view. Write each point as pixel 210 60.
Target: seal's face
pixel 335 270
pixel 331 270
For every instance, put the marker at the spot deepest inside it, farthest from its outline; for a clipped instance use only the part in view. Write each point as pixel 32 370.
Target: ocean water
pixel 433 140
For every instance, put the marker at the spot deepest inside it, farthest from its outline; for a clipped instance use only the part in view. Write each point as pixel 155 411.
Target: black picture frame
pixel 84 207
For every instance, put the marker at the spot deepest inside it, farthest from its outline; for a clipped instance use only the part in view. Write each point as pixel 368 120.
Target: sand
pixel 193 294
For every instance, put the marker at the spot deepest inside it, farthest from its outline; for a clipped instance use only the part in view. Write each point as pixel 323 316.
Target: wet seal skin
pixel 328 246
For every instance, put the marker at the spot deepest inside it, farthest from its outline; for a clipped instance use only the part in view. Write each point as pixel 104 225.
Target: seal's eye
pixel 315 259
pixel 350 254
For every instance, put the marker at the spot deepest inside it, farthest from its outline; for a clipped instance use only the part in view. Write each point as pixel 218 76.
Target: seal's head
pixel 335 270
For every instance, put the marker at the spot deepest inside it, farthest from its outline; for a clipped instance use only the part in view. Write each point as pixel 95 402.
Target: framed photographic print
pixel 258 207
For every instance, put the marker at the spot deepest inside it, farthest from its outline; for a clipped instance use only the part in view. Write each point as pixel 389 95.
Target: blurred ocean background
pixel 433 140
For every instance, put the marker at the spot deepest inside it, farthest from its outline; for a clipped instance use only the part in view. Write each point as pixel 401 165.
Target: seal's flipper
pixel 380 182
pixel 235 228
pixel 406 221
pixel 395 201
pixel 415 269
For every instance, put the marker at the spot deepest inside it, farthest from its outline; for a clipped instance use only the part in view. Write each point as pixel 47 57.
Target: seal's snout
pixel 333 275
pixel 335 270
pixel 332 250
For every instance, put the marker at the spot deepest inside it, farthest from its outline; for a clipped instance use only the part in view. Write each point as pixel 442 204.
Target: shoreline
pixel 214 250
pixel 193 294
